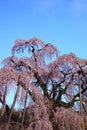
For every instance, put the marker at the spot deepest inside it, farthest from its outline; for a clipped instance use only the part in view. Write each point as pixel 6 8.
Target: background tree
pixel 47 79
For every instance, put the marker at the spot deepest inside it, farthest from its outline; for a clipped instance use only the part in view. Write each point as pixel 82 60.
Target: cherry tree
pixel 48 85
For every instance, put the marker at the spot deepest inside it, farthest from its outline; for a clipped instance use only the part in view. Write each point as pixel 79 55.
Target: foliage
pixel 47 83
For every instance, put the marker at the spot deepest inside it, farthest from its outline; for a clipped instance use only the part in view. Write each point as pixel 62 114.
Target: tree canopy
pixel 47 85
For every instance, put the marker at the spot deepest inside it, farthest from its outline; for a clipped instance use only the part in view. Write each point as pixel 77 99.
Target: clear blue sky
pixel 60 22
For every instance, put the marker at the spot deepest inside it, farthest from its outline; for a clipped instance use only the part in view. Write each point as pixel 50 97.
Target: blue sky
pixel 60 22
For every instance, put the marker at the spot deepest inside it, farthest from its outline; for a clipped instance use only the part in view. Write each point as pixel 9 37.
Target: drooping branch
pixel 4 101
pixel 12 107
pixel 8 110
pixel 24 107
